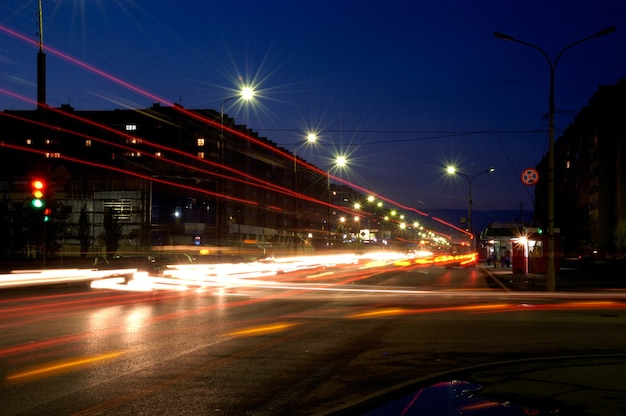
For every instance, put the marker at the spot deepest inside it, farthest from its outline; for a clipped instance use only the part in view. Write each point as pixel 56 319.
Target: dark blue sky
pixel 401 87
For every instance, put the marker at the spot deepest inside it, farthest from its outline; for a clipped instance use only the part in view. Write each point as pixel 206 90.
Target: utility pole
pixel 41 64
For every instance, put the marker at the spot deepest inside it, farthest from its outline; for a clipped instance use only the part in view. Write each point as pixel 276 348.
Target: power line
pixel 432 134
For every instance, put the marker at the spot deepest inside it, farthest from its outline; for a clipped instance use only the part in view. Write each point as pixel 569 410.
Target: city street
pixel 306 342
pixel 273 208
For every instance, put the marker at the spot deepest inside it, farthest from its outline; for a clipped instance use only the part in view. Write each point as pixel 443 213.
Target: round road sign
pixel 530 176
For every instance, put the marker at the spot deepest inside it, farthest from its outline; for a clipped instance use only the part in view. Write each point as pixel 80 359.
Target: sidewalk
pixel 567 279
pixel 584 384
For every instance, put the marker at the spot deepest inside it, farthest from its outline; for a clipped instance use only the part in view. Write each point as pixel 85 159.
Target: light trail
pixel 59 367
pixel 490 308
pixel 257 182
pixel 127 172
pixel 217 124
pixel 261 330
pixel 55 276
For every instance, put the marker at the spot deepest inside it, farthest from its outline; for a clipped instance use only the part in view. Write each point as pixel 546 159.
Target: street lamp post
pixel 470 179
pixel 246 94
pixel 551 271
pixel 310 139
pixel 340 163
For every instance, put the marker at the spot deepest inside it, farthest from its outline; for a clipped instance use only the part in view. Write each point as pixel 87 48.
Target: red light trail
pixel 261 183
pixel 217 124
pixel 128 172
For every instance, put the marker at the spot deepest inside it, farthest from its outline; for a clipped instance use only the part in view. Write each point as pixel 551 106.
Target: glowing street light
pixel 310 139
pixel 339 163
pixel 551 272
pixel 246 94
pixel 452 171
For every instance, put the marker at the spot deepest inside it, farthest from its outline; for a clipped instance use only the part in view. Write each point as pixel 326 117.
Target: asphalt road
pixel 304 343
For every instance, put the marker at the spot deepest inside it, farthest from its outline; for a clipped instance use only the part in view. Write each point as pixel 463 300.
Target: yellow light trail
pixel 51 369
pixel 490 308
pixel 381 312
pixel 262 329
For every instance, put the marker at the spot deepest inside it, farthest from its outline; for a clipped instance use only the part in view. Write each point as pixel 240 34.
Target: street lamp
pixel 340 163
pixel 310 139
pixel 452 170
pixel 246 94
pixel 551 272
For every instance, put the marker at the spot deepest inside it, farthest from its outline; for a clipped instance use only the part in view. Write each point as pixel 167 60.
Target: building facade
pixel 164 175
pixel 590 178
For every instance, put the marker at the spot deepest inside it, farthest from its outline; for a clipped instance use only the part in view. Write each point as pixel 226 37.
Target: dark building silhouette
pixel 590 177
pixel 162 171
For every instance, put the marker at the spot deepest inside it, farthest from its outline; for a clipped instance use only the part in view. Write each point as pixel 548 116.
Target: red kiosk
pixel 530 252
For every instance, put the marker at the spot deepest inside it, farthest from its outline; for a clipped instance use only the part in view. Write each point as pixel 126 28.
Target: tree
pixel 112 232
pixel 84 231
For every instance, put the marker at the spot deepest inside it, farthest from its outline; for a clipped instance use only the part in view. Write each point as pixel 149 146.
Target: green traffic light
pixel 37 203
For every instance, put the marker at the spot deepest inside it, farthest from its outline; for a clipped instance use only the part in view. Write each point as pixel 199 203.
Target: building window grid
pixel 122 208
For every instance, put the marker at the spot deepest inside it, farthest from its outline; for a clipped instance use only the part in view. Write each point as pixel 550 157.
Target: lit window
pixel 55 155
pixel 200 141
pixel 88 143
pixel 120 208
pixel 29 142
pixel 133 140
pixel 131 127
pixel 200 155
pixel 158 154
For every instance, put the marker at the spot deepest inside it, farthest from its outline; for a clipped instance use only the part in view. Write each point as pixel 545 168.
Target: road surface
pixel 304 342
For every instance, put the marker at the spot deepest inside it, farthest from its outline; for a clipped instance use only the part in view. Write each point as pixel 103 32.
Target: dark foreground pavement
pixel 600 277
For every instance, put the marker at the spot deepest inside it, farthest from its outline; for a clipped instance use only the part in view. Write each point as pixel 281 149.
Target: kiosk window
pixel 535 248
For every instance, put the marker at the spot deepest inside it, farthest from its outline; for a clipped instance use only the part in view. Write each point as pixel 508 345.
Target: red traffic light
pixel 38 184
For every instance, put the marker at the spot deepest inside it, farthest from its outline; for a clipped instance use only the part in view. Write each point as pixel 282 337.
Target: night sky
pixel 401 88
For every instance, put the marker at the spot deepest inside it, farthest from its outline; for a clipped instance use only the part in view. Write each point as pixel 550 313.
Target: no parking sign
pixel 530 176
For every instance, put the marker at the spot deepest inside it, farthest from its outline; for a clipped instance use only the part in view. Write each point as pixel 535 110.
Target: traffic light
pixel 46 214
pixel 38 187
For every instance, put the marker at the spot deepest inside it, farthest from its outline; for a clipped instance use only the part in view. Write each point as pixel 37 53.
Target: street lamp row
pixel 341 161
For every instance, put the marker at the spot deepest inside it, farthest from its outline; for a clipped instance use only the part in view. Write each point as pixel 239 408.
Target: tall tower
pixel 41 64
